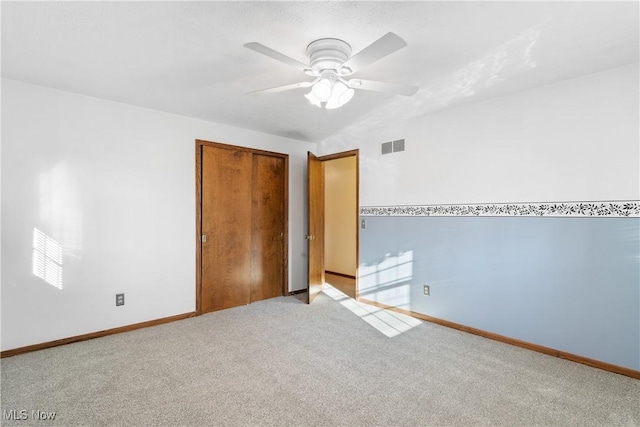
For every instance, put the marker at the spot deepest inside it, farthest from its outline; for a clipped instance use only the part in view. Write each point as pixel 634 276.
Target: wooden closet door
pixel 267 230
pixel 226 221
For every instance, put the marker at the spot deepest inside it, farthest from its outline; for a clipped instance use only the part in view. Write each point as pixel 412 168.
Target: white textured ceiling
pixel 188 57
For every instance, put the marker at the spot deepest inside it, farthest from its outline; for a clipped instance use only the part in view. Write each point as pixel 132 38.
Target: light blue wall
pixel 572 284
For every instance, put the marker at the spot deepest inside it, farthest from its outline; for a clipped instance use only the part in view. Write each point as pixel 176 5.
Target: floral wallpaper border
pixel 560 209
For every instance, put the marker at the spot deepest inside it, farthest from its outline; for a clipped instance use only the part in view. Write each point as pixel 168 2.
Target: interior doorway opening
pixel 340 241
pixel 333 238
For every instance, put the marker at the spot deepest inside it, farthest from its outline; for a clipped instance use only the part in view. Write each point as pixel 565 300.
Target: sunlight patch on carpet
pixel 387 322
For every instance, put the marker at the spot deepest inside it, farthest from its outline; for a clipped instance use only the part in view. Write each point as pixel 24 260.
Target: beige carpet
pixel 280 362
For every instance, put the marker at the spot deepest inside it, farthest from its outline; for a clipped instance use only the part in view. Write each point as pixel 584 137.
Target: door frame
pixel 334 156
pixel 285 226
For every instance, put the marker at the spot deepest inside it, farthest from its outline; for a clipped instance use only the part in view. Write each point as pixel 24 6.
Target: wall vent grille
pixel 387 147
pixel 398 145
pixel 392 146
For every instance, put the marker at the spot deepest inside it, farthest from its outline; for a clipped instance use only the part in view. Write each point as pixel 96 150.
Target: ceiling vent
pixel 392 146
pixel 387 147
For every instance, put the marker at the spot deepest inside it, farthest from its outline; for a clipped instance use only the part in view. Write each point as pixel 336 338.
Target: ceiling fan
pixel 331 63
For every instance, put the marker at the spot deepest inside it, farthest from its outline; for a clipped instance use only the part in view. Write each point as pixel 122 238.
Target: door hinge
pixel 203 238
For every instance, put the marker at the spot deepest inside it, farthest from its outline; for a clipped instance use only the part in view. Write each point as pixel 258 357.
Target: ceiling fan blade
pixel 392 88
pixel 267 51
pixel 380 48
pixel 282 88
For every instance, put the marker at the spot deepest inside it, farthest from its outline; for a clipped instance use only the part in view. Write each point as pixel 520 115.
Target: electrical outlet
pixel 119 299
pixel 427 291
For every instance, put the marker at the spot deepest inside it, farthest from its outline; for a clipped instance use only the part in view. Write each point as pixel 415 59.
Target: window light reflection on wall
pixel 47 259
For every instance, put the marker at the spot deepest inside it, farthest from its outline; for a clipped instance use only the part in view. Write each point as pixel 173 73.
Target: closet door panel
pixel 226 222
pixel 267 229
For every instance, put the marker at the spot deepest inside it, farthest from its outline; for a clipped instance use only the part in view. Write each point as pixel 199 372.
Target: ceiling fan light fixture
pixel 340 96
pixel 323 89
pixel 330 61
pixel 313 100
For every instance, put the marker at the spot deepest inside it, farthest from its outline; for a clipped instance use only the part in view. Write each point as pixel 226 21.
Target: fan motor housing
pixel 328 54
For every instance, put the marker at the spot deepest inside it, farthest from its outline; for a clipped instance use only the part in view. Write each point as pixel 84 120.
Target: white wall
pixel 340 215
pixel 574 140
pixel 114 185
